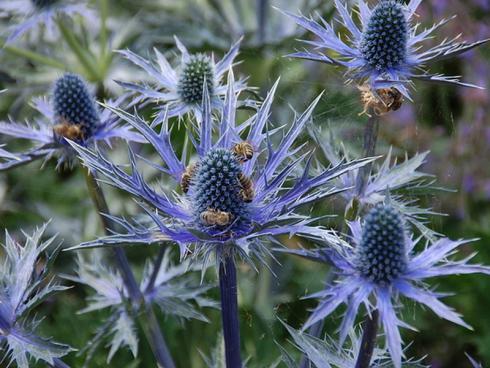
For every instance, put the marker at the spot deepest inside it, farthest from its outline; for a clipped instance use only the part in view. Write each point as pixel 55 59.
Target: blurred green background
pixel 454 124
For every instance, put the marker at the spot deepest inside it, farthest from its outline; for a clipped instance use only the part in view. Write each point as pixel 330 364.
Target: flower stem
pixel 83 55
pixel 229 311
pixel 370 138
pixel 368 342
pixel 147 319
pixel 58 363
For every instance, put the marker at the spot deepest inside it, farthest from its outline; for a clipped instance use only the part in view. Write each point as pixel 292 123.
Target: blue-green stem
pixel 84 56
pixel 58 363
pixel 368 342
pixel 147 318
pixel 229 311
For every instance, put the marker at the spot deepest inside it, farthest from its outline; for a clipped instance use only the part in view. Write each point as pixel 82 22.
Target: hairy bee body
pixel 243 151
pixel 212 217
pixel 381 101
pixel 70 131
pixel 246 191
pixel 187 176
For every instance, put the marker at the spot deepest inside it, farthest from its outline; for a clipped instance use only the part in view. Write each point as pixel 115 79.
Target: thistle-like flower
pixel 71 114
pixel 33 13
pixel 167 285
pixel 329 354
pixel 385 50
pixel 24 284
pixel 181 89
pixel 230 197
pixel 382 265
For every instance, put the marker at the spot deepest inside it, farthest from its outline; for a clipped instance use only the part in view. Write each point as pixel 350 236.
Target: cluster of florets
pixel 43 3
pixel 220 190
pixel 381 255
pixel 74 107
pixel 196 73
pixel 384 41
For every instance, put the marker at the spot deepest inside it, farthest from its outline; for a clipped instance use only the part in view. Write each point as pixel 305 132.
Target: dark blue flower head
pixel 197 72
pixel 75 111
pixel 40 4
pixel 178 90
pixel 217 191
pixel 384 41
pixel 384 51
pixel 26 15
pixel 381 254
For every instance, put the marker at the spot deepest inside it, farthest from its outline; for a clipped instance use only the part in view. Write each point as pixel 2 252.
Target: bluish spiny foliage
pixel 384 41
pixel 196 73
pixel 381 254
pixel 74 104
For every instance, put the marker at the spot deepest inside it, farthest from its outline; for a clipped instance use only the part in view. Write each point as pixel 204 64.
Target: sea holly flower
pixel 385 50
pixel 379 267
pixel 235 192
pixel 180 90
pixel 24 284
pixel 329 354
pixel 33 13
pixel 164 284
pixel 72 114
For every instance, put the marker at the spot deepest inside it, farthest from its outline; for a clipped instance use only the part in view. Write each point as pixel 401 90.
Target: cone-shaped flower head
pixel 384 52
pixel 43 3
pixel 27 15
pixel 217 190
pixel 384 41
pixel 197 72
pixel 381 254
pixel 71 113
pixel 178 90
pixel 76 115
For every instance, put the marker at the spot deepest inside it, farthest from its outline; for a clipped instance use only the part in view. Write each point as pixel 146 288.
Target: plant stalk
pixel 352 211
pixel 229 311
pixel 370 139
pixel 147 319
pixel 58 363
pixel 370 327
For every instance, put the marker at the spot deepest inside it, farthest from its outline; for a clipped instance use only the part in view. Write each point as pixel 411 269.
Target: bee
pixel 69 131
pixel 185 180
pixel 243 151
pixel 246 191
pixel 381 101
pixel 213 217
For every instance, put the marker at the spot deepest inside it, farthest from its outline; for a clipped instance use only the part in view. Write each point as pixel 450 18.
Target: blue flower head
pixel 236 190
pixel 74 108
pixel 70 114
pixel 34 13
pixel 179 90
pixel 24 283
pixel 380 266
pixel 385 49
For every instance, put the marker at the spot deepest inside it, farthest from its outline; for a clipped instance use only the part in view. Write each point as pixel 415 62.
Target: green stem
pixel 147 319
pixel 34 56
pixel 83 55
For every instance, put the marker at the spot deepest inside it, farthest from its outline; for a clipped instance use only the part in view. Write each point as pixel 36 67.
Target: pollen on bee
pixel 380 101
pixel 70 131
